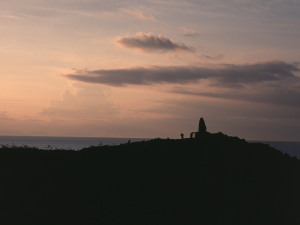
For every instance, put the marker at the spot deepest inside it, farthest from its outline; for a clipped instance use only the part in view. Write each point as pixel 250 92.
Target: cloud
pixel 211 57
pixel 88 103
pixel 7 15
pixel 226 75
pixel 138 14
pixel 278 95
pixel 189 32
pixel 138 76
pixel 148 42
pixel 4 116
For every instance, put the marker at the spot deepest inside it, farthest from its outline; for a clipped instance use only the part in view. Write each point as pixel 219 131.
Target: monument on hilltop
pixel 201 129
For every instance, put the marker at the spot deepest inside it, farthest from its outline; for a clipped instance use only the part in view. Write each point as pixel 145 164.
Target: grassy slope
pixel 214 180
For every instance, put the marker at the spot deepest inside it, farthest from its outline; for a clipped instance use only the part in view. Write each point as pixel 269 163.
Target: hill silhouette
pixel 215 179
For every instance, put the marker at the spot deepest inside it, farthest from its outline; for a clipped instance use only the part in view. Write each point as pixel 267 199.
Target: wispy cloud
pixel 4 116
pixel 211 57
pixel 148 42
pixel 227 75
pixel 138 14
pixel 272 94
pixel 189 32
pixel 88 103
pixel 8 15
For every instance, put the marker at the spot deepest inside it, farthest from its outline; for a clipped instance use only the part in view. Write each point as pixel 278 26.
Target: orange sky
pixel 150 68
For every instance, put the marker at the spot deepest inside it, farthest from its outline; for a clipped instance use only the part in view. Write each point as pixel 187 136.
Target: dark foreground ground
pixel 214 180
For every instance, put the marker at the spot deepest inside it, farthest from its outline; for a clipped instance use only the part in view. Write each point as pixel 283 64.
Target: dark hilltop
pixel 206 179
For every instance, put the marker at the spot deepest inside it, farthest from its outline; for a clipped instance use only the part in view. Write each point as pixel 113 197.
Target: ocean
pixel 291 148
pixel 77 143
pixel 67 143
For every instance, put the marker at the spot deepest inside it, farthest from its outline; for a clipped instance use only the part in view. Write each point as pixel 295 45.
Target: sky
pixel 150 68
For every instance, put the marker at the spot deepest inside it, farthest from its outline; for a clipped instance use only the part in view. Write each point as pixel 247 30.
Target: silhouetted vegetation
pixel 215 179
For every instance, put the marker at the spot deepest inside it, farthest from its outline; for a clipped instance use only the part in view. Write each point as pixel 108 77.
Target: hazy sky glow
pixel 115 68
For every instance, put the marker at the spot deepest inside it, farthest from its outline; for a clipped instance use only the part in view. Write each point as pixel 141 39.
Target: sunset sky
pixel 150 68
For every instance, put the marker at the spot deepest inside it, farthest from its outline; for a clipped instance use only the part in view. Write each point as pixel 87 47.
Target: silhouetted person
pixel 182 136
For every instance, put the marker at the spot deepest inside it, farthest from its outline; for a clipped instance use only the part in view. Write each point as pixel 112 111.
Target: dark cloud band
pixel 225 75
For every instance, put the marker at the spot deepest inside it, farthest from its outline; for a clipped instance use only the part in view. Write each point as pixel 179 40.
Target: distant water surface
pixel 74 143
pixel 290 147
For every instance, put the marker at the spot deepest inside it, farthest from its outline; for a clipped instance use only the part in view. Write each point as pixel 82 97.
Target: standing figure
pixel 182 136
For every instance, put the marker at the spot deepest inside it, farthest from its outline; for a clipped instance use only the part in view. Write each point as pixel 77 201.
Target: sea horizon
pixel 62 142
